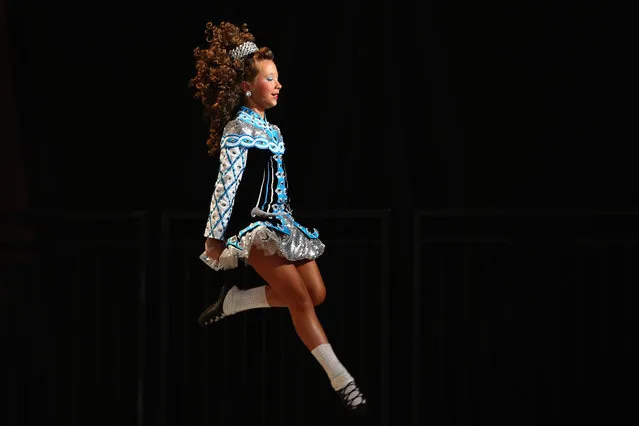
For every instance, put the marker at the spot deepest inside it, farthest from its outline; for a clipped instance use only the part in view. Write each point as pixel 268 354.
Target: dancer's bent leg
pixel 282 276
pixel 286 279
pixel 233 300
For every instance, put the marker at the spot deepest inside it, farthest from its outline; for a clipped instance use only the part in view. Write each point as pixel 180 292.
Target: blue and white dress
pixel 250 204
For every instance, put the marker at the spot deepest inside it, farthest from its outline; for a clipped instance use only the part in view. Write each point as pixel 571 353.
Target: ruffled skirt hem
pixel 293 247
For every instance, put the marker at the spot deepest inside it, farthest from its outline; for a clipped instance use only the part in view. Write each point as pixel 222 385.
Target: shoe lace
pixel 352 396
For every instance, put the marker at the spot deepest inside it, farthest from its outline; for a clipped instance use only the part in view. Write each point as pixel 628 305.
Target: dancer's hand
pixel 213 248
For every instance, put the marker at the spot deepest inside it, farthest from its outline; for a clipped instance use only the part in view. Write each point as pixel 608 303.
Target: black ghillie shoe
pixel 352 398
pixel 215 312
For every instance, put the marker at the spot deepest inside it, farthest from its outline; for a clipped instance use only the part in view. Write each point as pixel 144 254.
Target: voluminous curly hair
pixel 218 77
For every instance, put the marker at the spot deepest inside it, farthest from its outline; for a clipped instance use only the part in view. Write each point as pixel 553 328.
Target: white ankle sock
pixel 237 300
pixel 336 372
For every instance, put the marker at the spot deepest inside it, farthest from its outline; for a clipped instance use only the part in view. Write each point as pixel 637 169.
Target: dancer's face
pixel 265 88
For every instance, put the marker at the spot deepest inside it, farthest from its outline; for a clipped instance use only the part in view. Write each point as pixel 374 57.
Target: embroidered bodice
pixel 251 153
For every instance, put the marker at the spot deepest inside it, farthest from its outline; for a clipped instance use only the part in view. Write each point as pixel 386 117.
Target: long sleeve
pixel 232 164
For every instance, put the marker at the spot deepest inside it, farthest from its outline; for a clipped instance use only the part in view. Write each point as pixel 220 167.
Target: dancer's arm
pixel 232 164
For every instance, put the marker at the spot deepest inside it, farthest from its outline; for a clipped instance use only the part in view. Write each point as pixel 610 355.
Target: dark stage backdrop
pixel 469 165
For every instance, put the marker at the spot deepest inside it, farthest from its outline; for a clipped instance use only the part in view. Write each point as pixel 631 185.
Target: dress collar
pixel 250 115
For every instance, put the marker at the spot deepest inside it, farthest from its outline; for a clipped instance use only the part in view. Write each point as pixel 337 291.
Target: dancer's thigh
pixel 313 281
pixel 281 275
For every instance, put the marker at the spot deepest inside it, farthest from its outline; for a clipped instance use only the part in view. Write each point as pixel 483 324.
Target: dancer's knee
pixel 301 301
pixel 318 295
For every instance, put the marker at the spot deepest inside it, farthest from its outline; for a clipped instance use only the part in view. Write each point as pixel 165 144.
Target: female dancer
pixel 252 222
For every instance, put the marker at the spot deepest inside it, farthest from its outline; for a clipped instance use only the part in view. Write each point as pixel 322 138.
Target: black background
pixel 397 105
pixel 445 104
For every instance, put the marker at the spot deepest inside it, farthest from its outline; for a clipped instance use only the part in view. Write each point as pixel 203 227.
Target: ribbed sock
pixel 337 373
pixel 237 300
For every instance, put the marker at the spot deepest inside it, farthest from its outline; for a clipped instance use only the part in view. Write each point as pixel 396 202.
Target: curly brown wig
pixel 218 78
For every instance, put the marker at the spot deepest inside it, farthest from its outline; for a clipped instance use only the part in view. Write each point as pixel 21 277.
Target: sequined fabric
pixel 295 246
pixel 251 152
